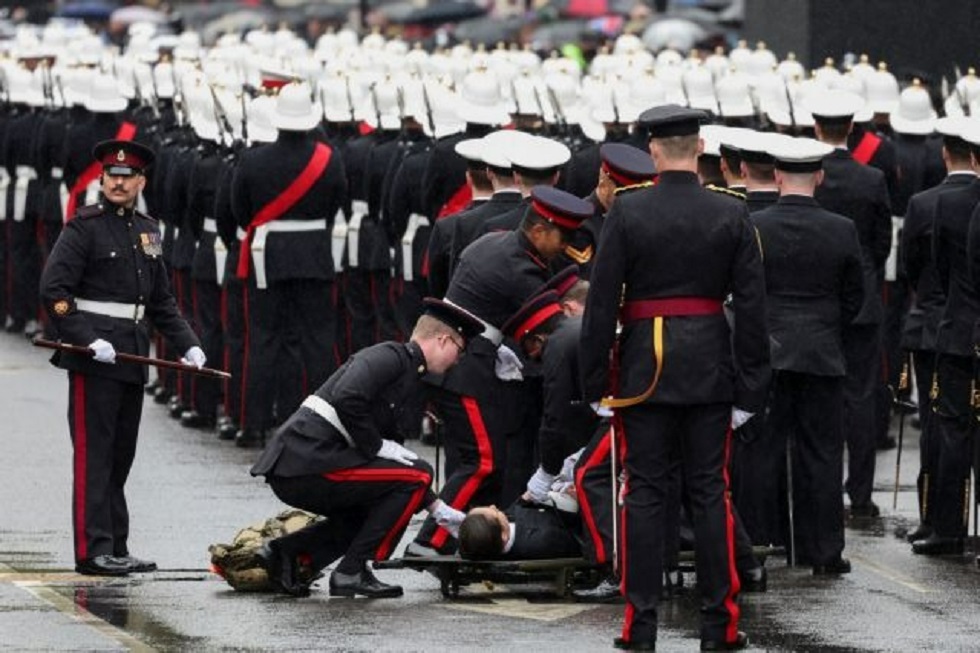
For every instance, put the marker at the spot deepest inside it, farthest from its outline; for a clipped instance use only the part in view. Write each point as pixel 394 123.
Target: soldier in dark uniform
pixel 952 403
pixel 757 170
pixel 814 288
pixel 285 195
pixel 685 378
pixel 103 282
pixel 339 455
pixel 922 323
pixel 481 401
pixel 857 192
pixel 438 256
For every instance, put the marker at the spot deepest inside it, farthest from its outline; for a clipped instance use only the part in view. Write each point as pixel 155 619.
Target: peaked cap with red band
pixel 562 282
pixel 560 208
pixel 122 157
pixel 535 312
pixel 626 165
pixel 453 316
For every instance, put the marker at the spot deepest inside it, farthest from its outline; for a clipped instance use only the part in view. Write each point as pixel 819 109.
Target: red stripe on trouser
pixel 731 631
pixel 79 464
pixel 408 475
pixel 179 290
pixel 196 309
pixel 583 498
pixel 225 352
pixel 628 614
pixel 483 469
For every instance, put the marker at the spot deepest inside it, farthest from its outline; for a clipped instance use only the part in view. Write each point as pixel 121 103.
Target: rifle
pixel 244 117
pixel 557 110
pixel 350 100
pixel 133 358
pixel 220 117
pixel 377 107
pixel 901 402
pixel 789 105
pixel 960 98
pixel 428 110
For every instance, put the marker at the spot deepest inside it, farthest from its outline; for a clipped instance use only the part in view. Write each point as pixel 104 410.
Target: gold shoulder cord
pixel 623 189
pixel 658 356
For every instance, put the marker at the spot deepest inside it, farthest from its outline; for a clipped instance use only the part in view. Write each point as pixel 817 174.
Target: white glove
pixel 600 410
pixel 539 485
pixel 104 351
pixel 447 516
pixel 391 450
pixel 508 366
pixel 195 357
pixel 740 417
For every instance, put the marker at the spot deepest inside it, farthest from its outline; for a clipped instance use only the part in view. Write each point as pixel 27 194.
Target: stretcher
pixel 563 574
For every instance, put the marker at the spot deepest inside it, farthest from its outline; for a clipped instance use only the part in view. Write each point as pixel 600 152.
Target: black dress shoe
pixel 15 325
pixel 282 569
pixel 920 533
pixel 363 584
pixel 175 408
pixel 638 645
pixel 935 545
pixel 886 444
pixel 868 510
pixel 606 591
pixel 250 439
pixel 754 581
pixel 161 395
pixel 104 565
pixel 227 431
pixel 195 420
pixel 138 566
pixel 151 388
pixel 833 568
pixel 741 641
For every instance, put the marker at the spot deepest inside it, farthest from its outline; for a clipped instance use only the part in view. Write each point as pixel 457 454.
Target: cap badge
pixel 120 156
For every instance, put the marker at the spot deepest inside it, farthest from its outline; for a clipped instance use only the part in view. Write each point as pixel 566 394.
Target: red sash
pixel 456 203
pixel 125 132
pixel 283 202
pixel 866 149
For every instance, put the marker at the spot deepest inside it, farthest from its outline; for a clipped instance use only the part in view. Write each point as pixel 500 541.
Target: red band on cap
pixel 619 177
pixel 122 157
pixel 535 320
pixel 551 216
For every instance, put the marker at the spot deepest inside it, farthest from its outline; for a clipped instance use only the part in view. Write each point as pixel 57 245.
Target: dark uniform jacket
pixel 677 239
pixel 468 225
pixel 922 322
pixel 540 532
pixel 104 255
pixel 950 237
pixel 567 422
pixel 446 170
pixel 374 393
pixel 758 200
pixel 437 257
pixel 508 220
pixel 403 197
pixel 206 172
pixel 262 175
pixel 814 285
pixel 859 192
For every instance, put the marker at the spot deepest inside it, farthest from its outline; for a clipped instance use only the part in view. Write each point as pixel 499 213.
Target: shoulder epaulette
pixel 725 191
pixel 626 189
pixel 145 216
pixel 89 211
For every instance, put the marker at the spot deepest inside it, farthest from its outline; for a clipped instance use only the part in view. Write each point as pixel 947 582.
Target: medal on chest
pixel 151 244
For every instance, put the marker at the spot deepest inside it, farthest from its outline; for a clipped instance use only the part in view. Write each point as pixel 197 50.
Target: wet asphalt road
pixel 188 490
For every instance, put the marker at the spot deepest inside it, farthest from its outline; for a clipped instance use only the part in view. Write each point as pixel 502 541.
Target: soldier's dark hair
pixel 835 131
pixel 678 147
pixel 760 171
pixel 957 148
pixel 480 179
pixel 531 177
pixel 501 172
pixel 480 536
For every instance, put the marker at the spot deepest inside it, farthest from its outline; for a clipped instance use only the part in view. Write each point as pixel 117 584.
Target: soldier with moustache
pixel 685 380
pixel 922 323
pixel 102 287
pixel 284 196
pixel 814 286
pixel 481 400
pixel 858 192
pixel 956 227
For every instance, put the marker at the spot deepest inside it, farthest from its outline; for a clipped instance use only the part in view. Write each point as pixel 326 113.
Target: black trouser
pixel 593 488
pixel 805 410
pixel 25 260
pixel 369 305
pixel 701 436
pixel 861 352
pixel 289 347
pixel 233 319
pixel 896 300
pixel 184 294
pixel 408 303
pixel 924 363
pixel 206 300
pixel 103 420
pixel 522 443
pixel 954 441
pixel 753 489
pixel 367 510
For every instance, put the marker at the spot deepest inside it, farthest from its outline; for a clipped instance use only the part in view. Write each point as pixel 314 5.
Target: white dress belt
pixel 4 185
pixel 323 408
pixel 282 226
pixel 338 240
pixel 25 174
pixel 415 222
pixel 359 209
pixel 111 309
pixel 210 225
